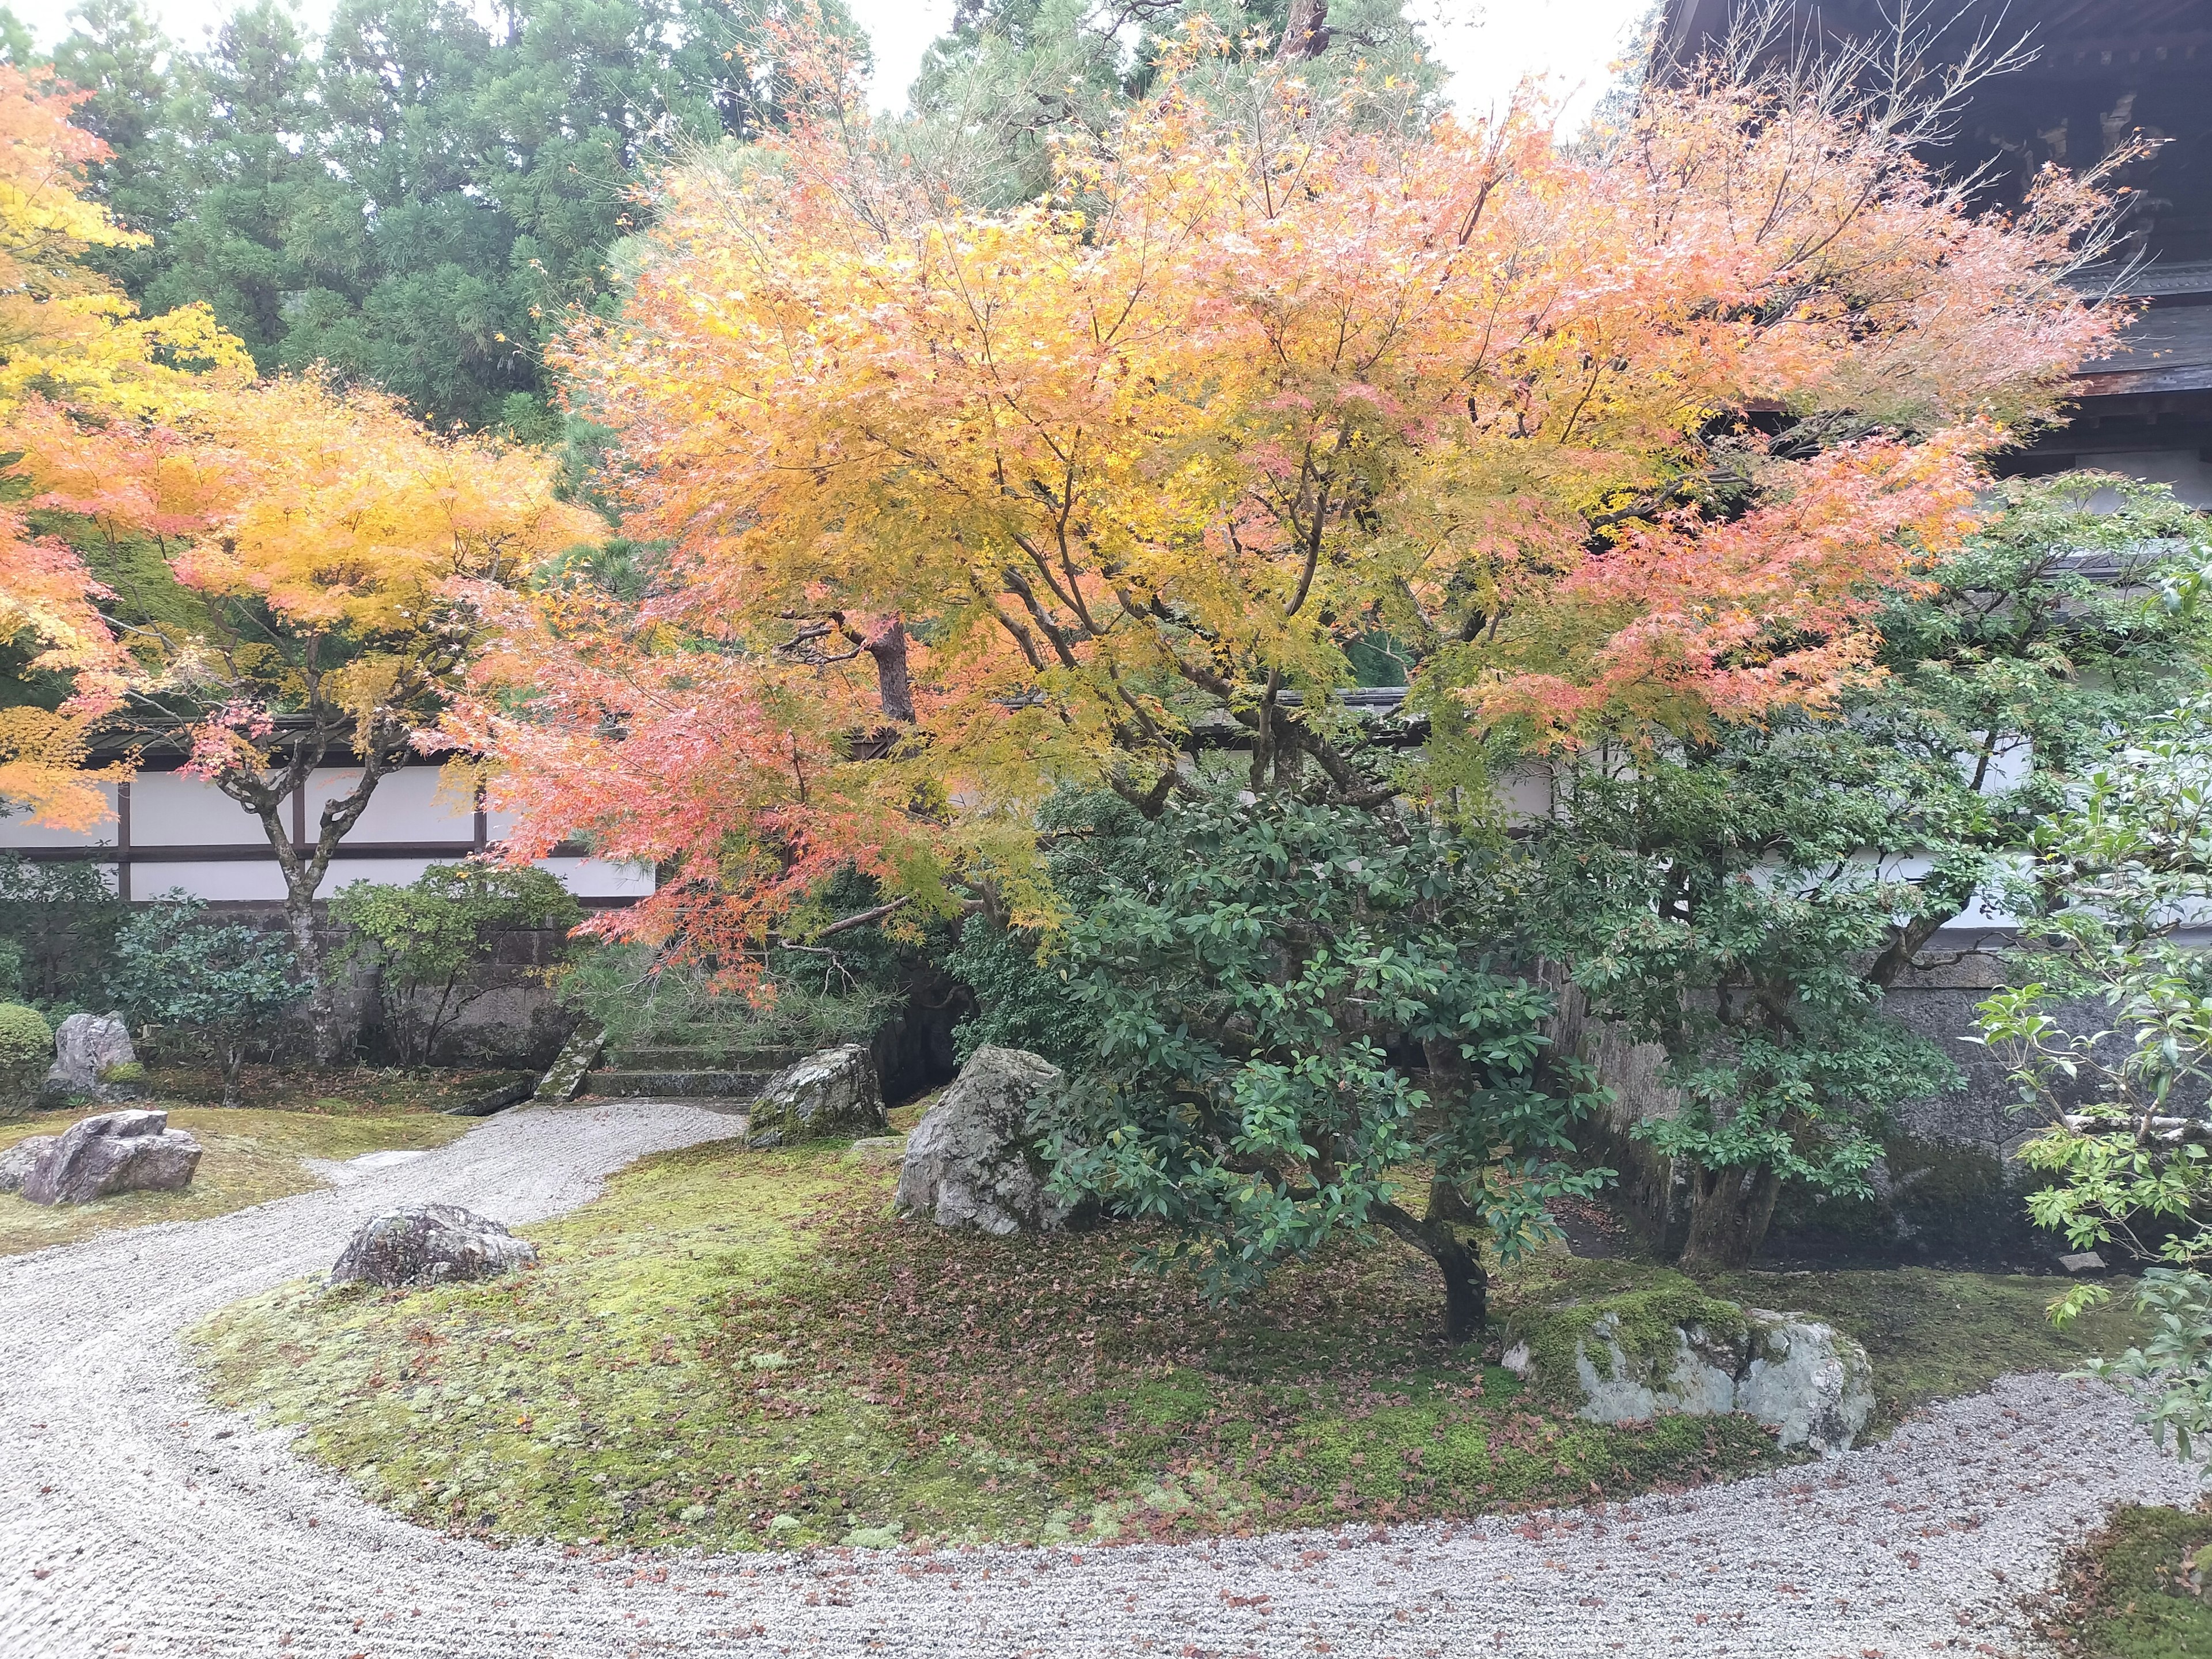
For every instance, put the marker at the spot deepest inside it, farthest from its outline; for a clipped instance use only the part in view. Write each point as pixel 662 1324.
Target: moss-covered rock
pixel 1670 1348
pixel 832 1093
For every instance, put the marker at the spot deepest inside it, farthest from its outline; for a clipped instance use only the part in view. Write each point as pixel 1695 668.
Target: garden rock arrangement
pixel 429 1244
pixel 94 1060
pixel 114 1152
pixel 1656 1353
pixel 970 1162
pixel 833 1093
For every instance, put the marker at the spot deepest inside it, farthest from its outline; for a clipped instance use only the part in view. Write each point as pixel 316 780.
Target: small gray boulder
pixel 833 1093
pixel 87 1048
pixel 20 1159
pixel 429 1244
pixel 114 1152
pixel 971 1162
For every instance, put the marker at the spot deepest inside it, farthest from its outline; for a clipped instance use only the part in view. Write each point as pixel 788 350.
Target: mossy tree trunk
pixel 1729 1210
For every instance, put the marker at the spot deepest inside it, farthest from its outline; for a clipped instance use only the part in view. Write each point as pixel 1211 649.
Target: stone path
pixel 136 1519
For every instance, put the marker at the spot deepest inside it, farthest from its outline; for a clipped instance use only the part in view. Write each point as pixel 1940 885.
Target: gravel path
pixel 134 1518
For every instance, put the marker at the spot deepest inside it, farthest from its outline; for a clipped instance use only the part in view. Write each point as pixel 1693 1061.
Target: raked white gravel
pixel 135 1518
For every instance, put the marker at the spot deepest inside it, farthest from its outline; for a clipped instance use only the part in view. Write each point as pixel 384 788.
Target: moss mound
pixel 735 1350
pixel 2137 1590
pixel 1644 1320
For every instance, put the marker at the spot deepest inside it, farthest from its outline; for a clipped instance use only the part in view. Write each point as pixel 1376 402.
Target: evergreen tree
pixel 418 199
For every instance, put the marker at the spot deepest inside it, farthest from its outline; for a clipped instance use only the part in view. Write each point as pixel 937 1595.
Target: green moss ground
pixel 731 1350
pixel 250 1156
pixel 2128 1592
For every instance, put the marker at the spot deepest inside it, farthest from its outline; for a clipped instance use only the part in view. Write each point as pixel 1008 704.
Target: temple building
pixel 2100 75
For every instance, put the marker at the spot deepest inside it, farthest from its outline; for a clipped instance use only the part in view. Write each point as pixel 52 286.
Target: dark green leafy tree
pixel 1012 77
pixel 2106 1028
pixel 15 43
pixel 233 182
pixel 230 985
pixel 117 53
pixel 1295 1005
pixel 1744 898
pixel 431 940
pixel 1098 843
pixel 58 922
pixel 1723 903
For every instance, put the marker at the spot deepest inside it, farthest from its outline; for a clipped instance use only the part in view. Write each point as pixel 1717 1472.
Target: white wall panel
pixel 598 879
pixel 2186 470
pixel 393 873
pixel 217 883
pixel 22 832
pixel 168 809
pixel 409 805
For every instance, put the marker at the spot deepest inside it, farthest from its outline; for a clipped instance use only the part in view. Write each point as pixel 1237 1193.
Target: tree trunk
pixel 322 998
pixel 233 1062
pixel 887 645
pixel 1307 35
pixel 1729 1210
pixel 1467 1285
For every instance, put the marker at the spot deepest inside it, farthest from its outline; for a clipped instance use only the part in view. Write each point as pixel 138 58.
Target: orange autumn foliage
pixel 1617 439
pixel 68 334
pixel 344 527
pixel 337 512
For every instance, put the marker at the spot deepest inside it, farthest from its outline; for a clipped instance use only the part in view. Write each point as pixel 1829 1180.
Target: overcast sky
pixel 1488 48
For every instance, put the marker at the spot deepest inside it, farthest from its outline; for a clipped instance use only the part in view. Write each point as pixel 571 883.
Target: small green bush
pixel 643 1002
pixel 126 1071
pixel 26 1039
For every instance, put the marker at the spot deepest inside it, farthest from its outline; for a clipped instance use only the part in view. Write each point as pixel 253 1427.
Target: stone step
pixel 659 1059
pixel 676 1085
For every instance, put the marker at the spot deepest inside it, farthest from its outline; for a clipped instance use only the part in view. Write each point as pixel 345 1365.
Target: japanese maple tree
pixel 321 538
pixel 1623 439
pixel 1618 441
pixel 66 332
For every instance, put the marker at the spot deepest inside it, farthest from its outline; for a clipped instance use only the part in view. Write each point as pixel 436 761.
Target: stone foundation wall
pixel 1948 1187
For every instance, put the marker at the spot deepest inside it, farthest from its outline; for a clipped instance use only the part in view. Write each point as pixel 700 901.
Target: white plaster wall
pixel 598 878
pixel 21 831
pixel 2186 470
pixel 168 809
pixel 243 879
pixel 410 805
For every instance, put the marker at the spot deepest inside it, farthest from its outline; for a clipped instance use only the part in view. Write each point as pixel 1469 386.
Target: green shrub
pixel 126 1071
pixel 1260 980
pixel 26 1039
pixel 643 1002
pixel 230 986
pixel 58 924
pixel 430 941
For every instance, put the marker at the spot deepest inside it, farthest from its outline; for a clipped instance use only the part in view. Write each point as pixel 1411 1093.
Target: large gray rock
pixel 1807 1379
pixel 20 1159
pixel 1802 1377
pixel 114 1152
pixel 971 1162
pixel 429 1244
pixel 86 1048
pixel 834 1092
